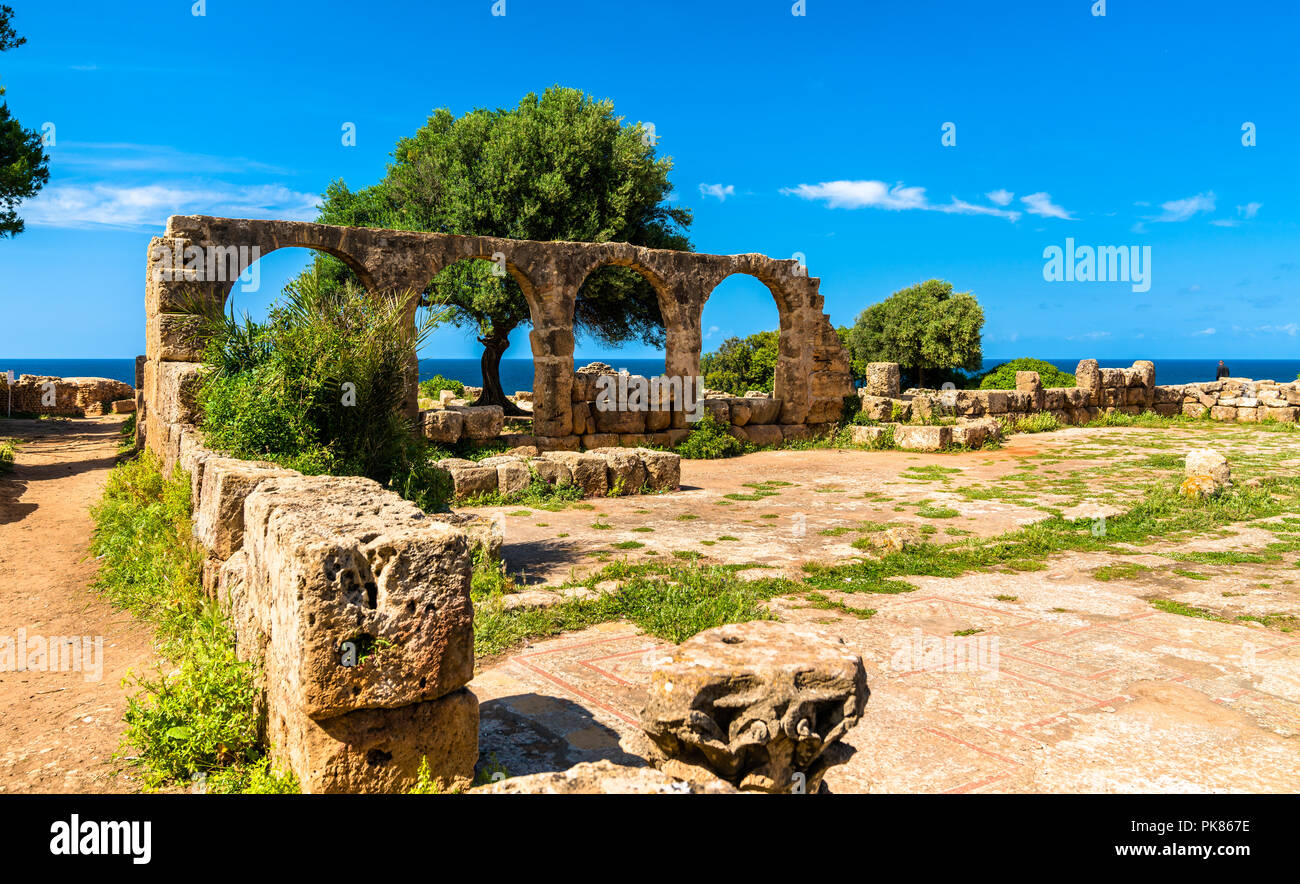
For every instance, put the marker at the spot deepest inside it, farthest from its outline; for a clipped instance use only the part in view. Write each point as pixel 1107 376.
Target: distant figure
pixel 1222 372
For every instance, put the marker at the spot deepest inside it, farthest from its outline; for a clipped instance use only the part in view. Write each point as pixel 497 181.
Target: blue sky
pixel 817 134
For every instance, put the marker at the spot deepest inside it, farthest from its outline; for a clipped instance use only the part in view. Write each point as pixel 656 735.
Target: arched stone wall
pixel 812 372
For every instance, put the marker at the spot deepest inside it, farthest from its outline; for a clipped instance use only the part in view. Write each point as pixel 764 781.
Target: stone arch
pixel 793 362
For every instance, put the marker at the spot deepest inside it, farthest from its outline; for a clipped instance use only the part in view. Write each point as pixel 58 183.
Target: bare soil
pixel 60 729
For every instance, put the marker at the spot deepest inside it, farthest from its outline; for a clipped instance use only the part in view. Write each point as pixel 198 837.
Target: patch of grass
pixel 728 537
pixel 629 544
pixel 965 632
pixel 643 529
pixel 930 511
pixel 198 722
pixel 821 602
pixel 687 517
pixel 8 453
pixel 1172 607
pixel 1007 598
pixel 672 602
pixel 1191 575
pixel 1121 571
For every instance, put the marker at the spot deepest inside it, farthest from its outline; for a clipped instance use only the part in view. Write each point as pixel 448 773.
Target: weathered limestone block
pixel 587 469
pixel 592 441
pixel 1135 396
pixel 173 337
pixel 1287 415
pixel 582 419
pixel 663 469
pixel 1054 399
pixel 1248 415
pixel 756 704
pixel 720 409
pixel 469 479
pixel 626 474
pixel 178 388
pixel 877 408
pixel 557 443
pixel 619 422
pixel 739 412
pixel 550 471
pixel 442 425
pixel 124 406
pixel 192 456
pixel 378 750
pixel 604 778
pixel 1028 382
pixel 484 536
pixel 764 435
pixel 226 484
pixel 633 440
pixel 232 595
pixel 882 379
pixel 922 438
pixel 1223 413
pixel 1194 409
pixel 513 476
pixel 764 410
pixel 1206 462
pixel 658 419
pixel 1021 402
pixel 482 422
pixel 1087 376
pixel 970 435
pixel 866 435
pixel 795 432
pixel 365 598
pixel 1293 397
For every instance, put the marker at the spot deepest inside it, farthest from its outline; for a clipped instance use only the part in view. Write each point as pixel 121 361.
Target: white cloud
pixel 879 195
pixel 1041 204
pixel 146 206
pixel 1289 329
pixel 1250 210
pixel 1001 197
pixel 1203 332
pixel 713 330
pixel 719 191
pixel 1089 336
pixel 117 157
pixel 1181 210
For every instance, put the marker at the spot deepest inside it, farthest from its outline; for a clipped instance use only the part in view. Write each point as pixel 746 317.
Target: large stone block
pixel 921 438
pixel 442 425
pixel 882 379
pixel 178 389
pixel 663 469
pixel 469 479
pixel 587 468
pixel 378 750
pixel 763 410
pixel 481 422
pixel 226 484
pixel 364 597
pixel 174 337
pixel 739 412
pixel 618 422
pixel 764 435
pixel 604 778
pixel 755 704
pixel 232 595
pixel 625 473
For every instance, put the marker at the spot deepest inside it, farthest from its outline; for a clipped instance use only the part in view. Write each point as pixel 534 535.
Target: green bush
pixel 318 387
pixel 8 451
pixel 742 364
pixel 709 440
pixel 1003 377
pixel 435 385
pixel 197 722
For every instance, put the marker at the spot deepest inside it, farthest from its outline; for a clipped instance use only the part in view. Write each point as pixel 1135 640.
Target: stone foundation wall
pixel 1097 391
pixel 354 602
pixel 72 397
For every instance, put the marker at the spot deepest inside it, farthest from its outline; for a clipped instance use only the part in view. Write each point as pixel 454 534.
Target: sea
pixel 517 374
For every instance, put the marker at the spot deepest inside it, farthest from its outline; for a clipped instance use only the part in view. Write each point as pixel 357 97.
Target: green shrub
pixel 742 364
pixel 8 451
pixel 318 387
pixel 709 440
pixel 1003 377
pixel 198 722
pixel 433 386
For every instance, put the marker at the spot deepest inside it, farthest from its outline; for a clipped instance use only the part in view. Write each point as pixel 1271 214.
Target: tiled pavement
pixel 1074 687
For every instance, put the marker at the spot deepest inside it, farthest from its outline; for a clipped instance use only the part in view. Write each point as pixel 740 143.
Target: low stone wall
pixel 1097 391
pixel 354 602
pixel 66 397
pixel 599 473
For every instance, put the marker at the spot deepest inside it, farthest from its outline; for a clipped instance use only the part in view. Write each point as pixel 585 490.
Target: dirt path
pixel 58 729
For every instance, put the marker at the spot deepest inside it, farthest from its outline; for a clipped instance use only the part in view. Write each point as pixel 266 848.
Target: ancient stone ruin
pixel 65 397
pixel 812 372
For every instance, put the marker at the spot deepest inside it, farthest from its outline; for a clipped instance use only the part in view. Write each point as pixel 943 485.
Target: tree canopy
pixel 742 364
pixel 24 165
pixel 560 166
pixel 926 328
